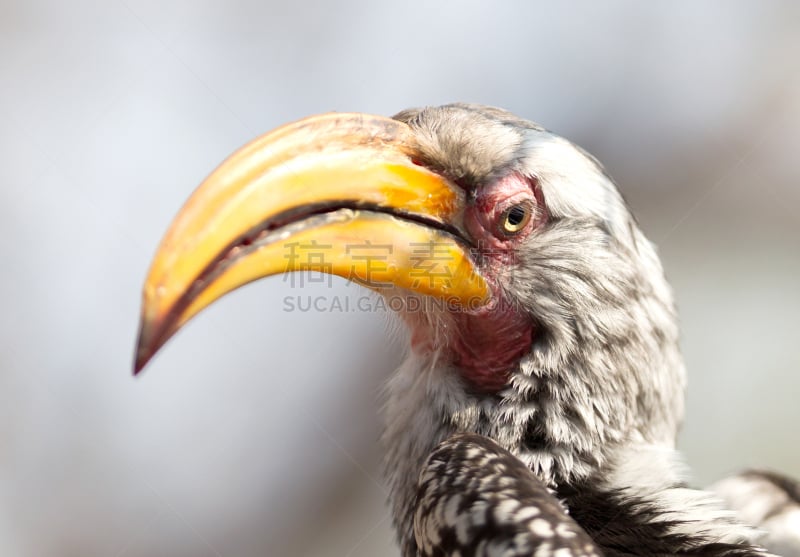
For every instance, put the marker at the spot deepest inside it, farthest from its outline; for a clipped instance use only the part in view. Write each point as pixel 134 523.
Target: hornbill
pixel 537 409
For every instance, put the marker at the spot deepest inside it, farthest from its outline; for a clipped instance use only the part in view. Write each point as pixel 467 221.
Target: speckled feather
pixel 476 499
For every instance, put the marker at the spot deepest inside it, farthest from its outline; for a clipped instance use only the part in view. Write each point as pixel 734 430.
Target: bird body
pixel 545 396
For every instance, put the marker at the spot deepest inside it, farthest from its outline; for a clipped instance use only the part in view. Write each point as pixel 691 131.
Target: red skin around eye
pixel 483 218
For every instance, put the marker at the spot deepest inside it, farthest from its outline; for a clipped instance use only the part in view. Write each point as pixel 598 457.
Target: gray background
pixel 254 432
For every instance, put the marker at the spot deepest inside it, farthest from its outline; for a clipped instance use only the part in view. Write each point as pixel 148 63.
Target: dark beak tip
pixel 139 364
pixel 143 356
pixel 146 346
pixel 153 335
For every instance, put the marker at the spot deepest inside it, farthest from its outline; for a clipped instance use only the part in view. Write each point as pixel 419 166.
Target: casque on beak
pixel 333 182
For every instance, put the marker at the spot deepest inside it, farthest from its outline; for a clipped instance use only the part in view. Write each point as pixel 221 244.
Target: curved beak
pixel 337 193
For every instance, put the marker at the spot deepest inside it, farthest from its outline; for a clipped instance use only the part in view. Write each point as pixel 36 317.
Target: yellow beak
pixel 337 193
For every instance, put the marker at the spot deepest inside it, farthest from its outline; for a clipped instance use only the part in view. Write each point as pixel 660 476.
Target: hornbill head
pixel 541 320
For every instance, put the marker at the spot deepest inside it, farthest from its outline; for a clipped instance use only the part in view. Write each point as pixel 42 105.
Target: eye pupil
pixel 516 215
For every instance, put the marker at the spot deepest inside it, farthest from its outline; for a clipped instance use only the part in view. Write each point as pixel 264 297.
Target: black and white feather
pixel 475 499
pixel 770 501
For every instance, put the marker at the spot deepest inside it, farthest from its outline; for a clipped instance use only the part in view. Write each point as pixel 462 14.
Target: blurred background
pixel 255 431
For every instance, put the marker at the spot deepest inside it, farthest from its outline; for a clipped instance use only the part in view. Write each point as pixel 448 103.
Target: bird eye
pixel 515 218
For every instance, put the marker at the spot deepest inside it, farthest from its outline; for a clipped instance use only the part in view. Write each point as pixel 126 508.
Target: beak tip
pixel 139 364
pixel 146 346
pixel 142 357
